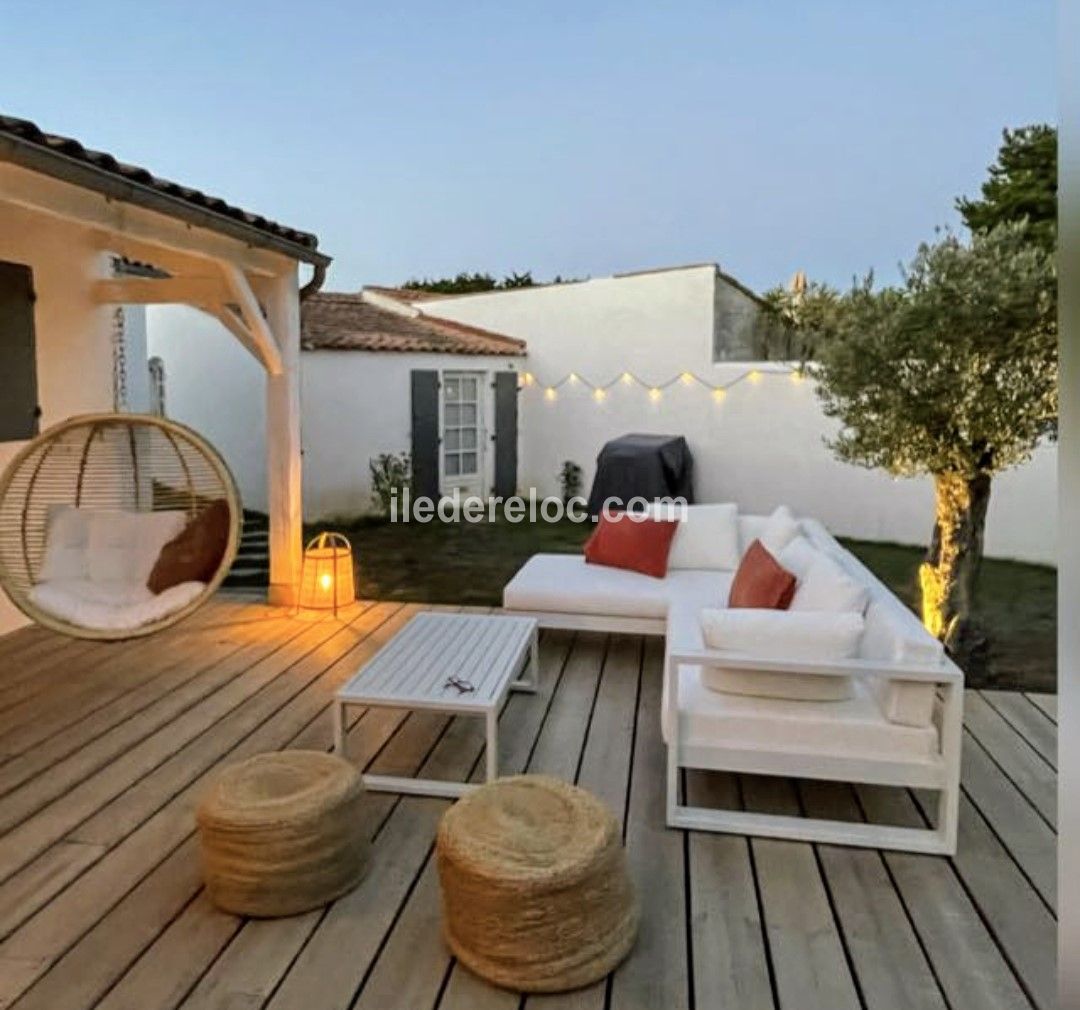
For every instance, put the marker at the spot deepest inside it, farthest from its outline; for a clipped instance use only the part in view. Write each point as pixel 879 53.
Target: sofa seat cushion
pixel 853 728
pixel 565 584
pixel 110 606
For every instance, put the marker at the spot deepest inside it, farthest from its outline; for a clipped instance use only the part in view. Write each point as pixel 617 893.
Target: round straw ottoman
pixel 281 833
pixel 535 891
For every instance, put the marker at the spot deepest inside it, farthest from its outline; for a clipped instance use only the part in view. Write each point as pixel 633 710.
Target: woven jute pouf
pixel 535 891
pixel 281 833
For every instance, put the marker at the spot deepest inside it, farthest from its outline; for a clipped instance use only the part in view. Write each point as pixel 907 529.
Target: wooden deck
pixel 105 748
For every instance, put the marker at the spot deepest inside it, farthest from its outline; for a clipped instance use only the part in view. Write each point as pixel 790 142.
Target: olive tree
pixel 953 373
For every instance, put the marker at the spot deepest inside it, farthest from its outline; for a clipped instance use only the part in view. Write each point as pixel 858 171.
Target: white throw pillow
pixel 826 586
pixel 781 635
pixel 67 535
pixel 798 556
pixel 780 529
pixel 123 546
pixel 707 537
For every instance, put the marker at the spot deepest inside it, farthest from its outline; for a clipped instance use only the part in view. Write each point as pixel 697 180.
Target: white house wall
pixel 73 334
pixel 763 444
pixel 216 387
pixel 356 405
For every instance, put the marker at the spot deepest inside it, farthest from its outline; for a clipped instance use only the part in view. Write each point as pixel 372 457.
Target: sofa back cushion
pixel 633 542
pixel 825 585
pixel 785 636
pixel 707 537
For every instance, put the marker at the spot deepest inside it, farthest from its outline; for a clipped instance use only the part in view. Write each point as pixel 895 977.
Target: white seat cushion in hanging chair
pixel 116 606
pixel 96 564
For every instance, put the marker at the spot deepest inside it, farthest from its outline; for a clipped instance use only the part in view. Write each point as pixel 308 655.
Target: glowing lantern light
pixel 687 378
pixel 598 395
pixel 754 376
pixel 797 376
pixel 549 393
pixel 326 579
pixel 527 378
pixel 719 394
pixel 654 394
pixel 572 377
pixel 627 378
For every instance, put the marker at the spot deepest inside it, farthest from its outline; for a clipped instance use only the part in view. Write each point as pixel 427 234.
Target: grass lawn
pixel 468 563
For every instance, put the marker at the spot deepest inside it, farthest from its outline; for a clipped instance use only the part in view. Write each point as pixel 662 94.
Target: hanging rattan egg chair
pixel 115 526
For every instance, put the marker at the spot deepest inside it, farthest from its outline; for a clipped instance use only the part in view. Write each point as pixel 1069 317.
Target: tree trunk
pixel 949 575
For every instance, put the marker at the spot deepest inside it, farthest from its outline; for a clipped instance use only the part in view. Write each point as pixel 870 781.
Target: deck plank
pixel 1027 719
pixel 108 910
pixel 1046 703
pixel 83 908
pixel 891 967
pixel 805 943
pixel 968 963
pixel 656 974
pixel 1012 753
pixel 730 962
pixel 1030 841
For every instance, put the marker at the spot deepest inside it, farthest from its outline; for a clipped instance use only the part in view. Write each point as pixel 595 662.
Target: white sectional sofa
pixel 895 719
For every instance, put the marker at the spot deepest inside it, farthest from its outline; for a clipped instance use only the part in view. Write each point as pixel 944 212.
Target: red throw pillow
pixel 636 544
pixel 761 582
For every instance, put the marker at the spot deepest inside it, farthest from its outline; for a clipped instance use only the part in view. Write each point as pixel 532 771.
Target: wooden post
pixel 280 298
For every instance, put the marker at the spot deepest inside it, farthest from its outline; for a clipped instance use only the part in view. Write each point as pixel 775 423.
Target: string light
pixel 655 391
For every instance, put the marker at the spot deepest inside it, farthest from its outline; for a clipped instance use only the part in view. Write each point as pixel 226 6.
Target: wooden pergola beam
pixel 236 283
pixel 160 291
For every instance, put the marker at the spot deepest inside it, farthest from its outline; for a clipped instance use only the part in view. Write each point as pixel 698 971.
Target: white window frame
pixel 476 481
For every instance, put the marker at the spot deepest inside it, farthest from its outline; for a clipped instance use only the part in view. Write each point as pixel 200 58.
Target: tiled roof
pixel 346 322
pixel 22 142
pixel 405 294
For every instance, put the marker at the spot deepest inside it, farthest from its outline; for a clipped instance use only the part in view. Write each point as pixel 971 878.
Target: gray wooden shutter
pixel 425 432
pixel 18 366
pixel 506 433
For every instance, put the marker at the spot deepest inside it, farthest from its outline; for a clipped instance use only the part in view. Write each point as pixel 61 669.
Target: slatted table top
pixel 416 666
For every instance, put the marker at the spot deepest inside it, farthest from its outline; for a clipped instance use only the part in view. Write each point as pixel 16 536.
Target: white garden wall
pixel 762 444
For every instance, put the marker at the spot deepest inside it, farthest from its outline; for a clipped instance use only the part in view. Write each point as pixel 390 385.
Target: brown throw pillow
pixel 194 554
pixel 761 582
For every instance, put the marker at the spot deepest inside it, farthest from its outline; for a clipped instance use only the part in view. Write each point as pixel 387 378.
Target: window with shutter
pixel 18 356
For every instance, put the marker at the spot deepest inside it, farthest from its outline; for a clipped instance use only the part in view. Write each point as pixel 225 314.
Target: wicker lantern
pixel 326 579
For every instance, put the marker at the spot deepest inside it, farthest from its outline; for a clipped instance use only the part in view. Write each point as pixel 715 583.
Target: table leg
pixel 339 728
pixel 492 749
pixel 529 680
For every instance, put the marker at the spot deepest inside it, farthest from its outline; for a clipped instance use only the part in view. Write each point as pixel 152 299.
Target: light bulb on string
pixel 549 393
pixel 654 394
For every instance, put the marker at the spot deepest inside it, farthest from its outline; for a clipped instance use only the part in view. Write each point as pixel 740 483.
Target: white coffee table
pixel 417 668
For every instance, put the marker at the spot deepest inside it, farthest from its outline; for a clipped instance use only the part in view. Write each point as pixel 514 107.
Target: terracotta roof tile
pixel 346 322
pixel 27 135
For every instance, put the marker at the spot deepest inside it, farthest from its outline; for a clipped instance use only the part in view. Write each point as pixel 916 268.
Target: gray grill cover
pixel 642 466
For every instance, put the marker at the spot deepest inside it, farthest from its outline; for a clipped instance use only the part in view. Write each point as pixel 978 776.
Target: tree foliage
pixel 1022 186
pixel 466 283
pixel 804 315
pixel 953 372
